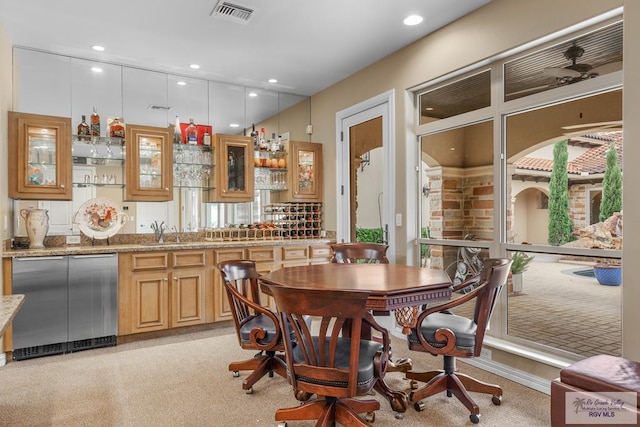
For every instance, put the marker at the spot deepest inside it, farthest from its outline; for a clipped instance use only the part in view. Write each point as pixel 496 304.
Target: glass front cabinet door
pixel 39 157
pixel 149 164
pixel 234 168
pixel 306 169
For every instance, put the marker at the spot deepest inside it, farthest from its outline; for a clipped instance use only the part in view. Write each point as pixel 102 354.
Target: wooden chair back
pixel 322 361
pixel 359 253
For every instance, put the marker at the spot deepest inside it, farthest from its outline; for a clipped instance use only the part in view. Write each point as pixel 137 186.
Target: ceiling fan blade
pixel 559 72
pixel 611 67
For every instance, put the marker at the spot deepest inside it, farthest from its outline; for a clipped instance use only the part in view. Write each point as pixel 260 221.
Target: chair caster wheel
pixel 271 374
pixel 236 374
pixel 475 419
pixel 497 400
pixel 398 415
pixel 449 394
pixel 370 417
pixel 419 406
pixel 249 390
pixel 414 385
pixel 282 424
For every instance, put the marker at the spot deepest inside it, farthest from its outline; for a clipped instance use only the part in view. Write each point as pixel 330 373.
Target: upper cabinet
pixel 39 157
pixel 234 169
pixel 149 164
pixel 305 167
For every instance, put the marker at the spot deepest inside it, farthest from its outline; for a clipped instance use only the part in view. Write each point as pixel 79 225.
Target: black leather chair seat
pixel 366 373
pixel 464 329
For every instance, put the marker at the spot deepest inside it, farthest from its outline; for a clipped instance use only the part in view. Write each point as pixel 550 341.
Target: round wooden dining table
pixel 390 287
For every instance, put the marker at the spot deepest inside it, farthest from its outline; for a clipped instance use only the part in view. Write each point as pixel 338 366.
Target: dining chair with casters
pixel 359 253
pixel 323 362
pixel 440 332
pixel 257 327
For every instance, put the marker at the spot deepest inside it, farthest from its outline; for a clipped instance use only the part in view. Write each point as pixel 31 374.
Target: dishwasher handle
pixel 93 256
pixel 38 258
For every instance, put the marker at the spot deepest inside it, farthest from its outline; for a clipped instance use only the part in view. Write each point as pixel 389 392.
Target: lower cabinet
pixel 162 290
pixel 169 289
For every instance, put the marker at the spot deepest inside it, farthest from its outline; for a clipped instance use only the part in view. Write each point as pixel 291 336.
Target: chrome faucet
pixel 159 229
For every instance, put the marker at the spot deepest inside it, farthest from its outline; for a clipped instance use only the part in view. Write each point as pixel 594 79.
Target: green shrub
pixel 369 235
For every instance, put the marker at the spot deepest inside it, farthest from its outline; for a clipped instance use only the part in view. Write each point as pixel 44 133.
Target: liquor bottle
pixel 262 143
pixel 254 135
pixel 177 133
pixel 84 130
pixel 206 139
pixel 192 133
pixel 95 123
pixel 116 129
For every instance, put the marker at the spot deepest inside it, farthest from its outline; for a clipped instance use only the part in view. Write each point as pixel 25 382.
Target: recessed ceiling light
pixel 428 109
pixel 412 20
pixel 194 66
pixel 273 80
pixel 234 125
pixel 253 94
pixel 181 83
pixel 96 69
pixel 98 48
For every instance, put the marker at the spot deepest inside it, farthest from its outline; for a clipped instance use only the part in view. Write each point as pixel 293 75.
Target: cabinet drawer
pixel 320 251
pixel 261 254
pixel 188 259
pixel 294 252
pixel 220 255
pixel 149 261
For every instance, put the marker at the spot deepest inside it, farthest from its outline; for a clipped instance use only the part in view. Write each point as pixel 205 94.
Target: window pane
pixel 567 202
pixel 469 94
pixel 585 57
pixel 558 302
pixel 457 178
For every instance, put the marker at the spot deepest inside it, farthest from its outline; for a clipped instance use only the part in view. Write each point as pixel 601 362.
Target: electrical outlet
pixel 485 353
pixel 73 240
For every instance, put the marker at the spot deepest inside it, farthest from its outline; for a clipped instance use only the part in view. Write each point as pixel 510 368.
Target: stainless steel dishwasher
pixel 70 304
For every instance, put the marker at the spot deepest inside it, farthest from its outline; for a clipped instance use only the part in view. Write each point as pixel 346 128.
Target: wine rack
pixel 279 221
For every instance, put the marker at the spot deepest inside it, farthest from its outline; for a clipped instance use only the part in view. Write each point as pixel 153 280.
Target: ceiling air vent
pixel 232 12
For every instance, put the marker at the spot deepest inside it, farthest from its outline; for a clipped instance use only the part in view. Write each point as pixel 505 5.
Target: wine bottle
pixel 84 130
pixel 177 133
pixel 116 129
pixel 192 133
pixel 95 123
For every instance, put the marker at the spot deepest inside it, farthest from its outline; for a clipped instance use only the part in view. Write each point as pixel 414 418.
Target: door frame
pixel 382 105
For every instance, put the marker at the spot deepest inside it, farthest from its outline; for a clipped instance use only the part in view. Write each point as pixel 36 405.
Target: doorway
pixel 365 161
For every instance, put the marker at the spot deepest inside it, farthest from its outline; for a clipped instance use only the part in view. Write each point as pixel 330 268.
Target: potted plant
pixel 520 264
pixel 608 272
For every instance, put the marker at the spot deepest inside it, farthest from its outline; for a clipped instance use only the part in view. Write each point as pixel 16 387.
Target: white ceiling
pixel 306 45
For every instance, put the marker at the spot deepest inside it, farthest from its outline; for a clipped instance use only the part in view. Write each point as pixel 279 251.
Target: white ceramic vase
pixel 37 224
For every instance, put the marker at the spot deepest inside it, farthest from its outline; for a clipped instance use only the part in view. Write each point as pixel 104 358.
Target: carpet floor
pixel 183 380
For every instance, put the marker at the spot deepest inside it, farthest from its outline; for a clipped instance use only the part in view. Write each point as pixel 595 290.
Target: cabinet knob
pixel 166 188
pixel 61 185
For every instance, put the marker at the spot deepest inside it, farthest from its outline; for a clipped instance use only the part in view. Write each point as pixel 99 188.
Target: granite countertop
pixel 9 306
pixel 150 247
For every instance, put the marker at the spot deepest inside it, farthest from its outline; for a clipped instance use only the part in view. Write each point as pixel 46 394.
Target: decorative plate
pixel 99 218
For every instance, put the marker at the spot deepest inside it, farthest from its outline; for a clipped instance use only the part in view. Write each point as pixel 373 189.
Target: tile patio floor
pixel 567 311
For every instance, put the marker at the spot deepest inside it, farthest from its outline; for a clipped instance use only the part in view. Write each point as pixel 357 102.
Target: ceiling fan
pixel 579 71
pixel 573 73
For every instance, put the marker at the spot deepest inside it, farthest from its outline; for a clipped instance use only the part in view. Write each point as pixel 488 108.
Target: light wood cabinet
pixel 234 169
pixel 149 166
pixel 39 164
pixel 293 256
pixel 304 172
pixel 163 290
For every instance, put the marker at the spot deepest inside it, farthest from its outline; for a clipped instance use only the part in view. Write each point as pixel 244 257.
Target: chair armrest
pixel 258 334
pixel 386 340
pixel 443 334
pixel 471 281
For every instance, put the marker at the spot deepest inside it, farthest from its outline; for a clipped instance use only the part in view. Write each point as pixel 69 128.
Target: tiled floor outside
pixel 566 311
